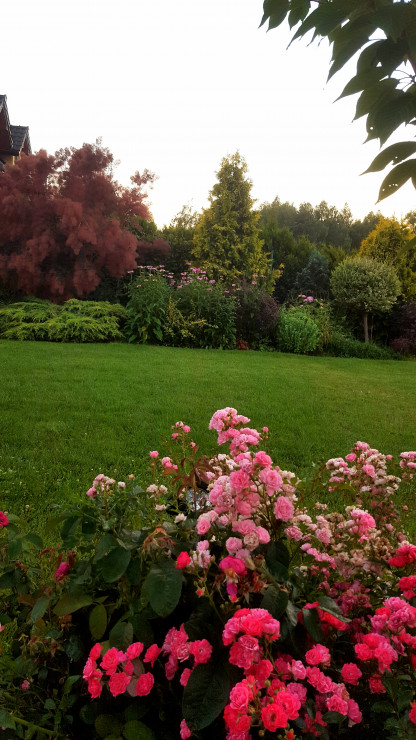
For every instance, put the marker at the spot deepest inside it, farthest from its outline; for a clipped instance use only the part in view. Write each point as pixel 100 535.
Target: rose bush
pixel 215 602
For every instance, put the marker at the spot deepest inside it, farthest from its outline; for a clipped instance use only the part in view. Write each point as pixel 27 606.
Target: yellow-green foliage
pixel 74 321
pixel 391 242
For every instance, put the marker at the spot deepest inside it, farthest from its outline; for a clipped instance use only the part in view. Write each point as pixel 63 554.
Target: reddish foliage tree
pixel 65 222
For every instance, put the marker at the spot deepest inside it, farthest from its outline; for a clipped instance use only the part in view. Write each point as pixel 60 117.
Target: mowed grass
pixel 71 411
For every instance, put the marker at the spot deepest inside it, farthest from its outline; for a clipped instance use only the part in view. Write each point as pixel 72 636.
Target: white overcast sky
pixel 176 85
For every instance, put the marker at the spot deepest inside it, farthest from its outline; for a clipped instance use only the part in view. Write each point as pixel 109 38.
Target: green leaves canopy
pixel 386 67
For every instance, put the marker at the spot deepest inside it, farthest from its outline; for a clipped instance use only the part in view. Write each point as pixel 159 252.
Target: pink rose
pixel 154 453
pixel 283 509
pixel 62 571
pixel 144 684
pixel 118 683
pixel 183 560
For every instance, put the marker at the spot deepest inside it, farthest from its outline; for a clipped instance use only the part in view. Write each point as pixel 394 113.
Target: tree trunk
pixel 365 325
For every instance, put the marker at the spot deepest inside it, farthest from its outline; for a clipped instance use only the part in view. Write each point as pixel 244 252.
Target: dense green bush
pixel 148 299
pixel 296 331
pixel 341 345
pixel 74 321
pixel 256 315
pixel 211 310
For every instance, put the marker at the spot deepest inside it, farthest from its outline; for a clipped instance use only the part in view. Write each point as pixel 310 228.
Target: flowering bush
pixel 214 603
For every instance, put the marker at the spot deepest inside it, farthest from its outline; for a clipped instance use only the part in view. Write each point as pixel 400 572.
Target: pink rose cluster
pixel 229 425
pixel 408 464
pixel 123 670
pixel 274 693
pixel 101 483
pixel 4 520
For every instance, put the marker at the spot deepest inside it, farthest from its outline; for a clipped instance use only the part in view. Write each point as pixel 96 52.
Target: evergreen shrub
pixel 297 332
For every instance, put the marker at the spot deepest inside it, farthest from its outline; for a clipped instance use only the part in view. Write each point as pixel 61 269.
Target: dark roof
pixel 20 134
pixel 13 139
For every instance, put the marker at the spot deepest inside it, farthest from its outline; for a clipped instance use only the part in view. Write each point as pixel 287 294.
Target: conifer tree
pixel 227 240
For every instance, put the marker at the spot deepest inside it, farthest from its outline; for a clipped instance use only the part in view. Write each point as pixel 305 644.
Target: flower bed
pixel 215 603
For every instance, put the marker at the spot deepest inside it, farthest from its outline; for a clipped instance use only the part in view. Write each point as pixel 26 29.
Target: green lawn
pixel 71 411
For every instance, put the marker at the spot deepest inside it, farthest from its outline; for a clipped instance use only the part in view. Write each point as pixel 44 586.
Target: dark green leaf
pixel 107 724
pixel 134 572
pixel 397 177
pixel 137 710
pixel 404 699
pixel 35 540
pixel 373 97
pixel 7 580
pixel 74 648
pixel 274 8
pixel 396 19
pixel 71 603
pixel 278 559
pixel 69 683
pixel 98 621
pixel 121 636
pixel 298 12
pixel 114 565
pixel 275 601
pixel 393 154
pixel 164 585
pixel 362 81
pixel 49 704
pixel 6 720
pixel 135 730
pixel 349 39
pixel 333 718
pixel 324 19
pixel 70 526
pixel 14 549
pixel 206 694
pixel 381 707
pixel 39 608
pixel 143 631
pixel 313 624
pixel 386 118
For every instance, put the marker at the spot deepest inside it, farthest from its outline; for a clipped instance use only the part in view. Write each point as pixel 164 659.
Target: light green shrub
pixel 297 332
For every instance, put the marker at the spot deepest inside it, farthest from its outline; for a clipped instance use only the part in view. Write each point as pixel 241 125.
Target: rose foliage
pixel 214 603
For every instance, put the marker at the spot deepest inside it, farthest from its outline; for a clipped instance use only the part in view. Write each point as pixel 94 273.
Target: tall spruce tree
pixel 227 240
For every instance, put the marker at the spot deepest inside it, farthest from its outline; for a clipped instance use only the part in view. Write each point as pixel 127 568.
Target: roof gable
pixel 13 139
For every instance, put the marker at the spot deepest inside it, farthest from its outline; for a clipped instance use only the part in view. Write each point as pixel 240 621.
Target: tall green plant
pixel 146 308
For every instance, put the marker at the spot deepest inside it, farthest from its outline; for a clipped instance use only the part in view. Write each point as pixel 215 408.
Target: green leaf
pixel 71 603
pixel 74 648
pixel 107 724
pixel 135 730
pixel 70 681
pixel 98 621
pixel 313 624
pixel 206 694
pixel 121 636
pixel 325 18
pixel 275 601
pixel 39 608
pixel 333 718
pixel 273 9
pixel 164 585
pixel 329 605
pixel 375 96
pixel 114 565
pixel 70 526
pixel 35 540
pixel 386 118
pixel 397 177
pixel 7 580
pixel 381 707
pixel 362 81
pixel 49 704
pixel 396 19
pixel 6 720
pixel 392 154
pixel 298 11
pixel 348 39
pixel 404 699
pixel 14 549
